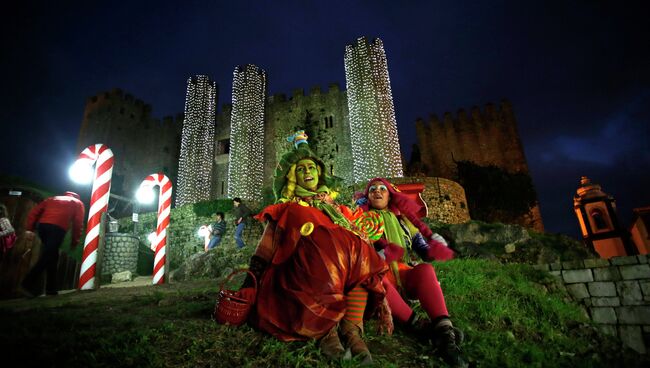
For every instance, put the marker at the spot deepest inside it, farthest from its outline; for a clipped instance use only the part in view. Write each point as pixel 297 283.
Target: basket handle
pixel 233 273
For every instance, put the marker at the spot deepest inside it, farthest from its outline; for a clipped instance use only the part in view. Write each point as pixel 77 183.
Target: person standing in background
pixel 52 219
pixel 241 213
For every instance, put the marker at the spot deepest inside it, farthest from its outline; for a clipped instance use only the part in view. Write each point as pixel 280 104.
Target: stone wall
pixel 182 235
pixel 221 152
pixel 324 117
pixel 322 114
pixel 120 253
pixel 487 136
pixel 615 293
pixel 444 198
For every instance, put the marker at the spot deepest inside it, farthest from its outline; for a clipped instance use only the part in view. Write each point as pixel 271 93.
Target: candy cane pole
pixel 164 209
pixel 102 157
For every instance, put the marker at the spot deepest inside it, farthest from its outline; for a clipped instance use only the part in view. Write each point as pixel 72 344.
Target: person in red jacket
pixel 52 219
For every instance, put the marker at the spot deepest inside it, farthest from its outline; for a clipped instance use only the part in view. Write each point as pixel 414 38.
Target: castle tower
pixel 197 141
pixel 596 212
pixel 485 138
pixel 141 143
pixel 373 128
pixel 246 164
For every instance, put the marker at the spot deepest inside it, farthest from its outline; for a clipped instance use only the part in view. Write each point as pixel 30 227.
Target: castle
pixel 486 138
pixel 141 143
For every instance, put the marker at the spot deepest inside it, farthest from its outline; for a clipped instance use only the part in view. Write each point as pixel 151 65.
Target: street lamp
pixel 145 193
pixel 81 172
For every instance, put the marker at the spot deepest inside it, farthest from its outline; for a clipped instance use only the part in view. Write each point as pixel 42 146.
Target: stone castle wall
pixel 221 152
pixel 615 293
pixel 142 145
pixel 485 137
pixel 445 198
pixel 324 116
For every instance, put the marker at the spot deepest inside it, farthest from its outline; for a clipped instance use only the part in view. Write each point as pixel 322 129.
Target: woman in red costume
pixel 400 233
pixel 315 270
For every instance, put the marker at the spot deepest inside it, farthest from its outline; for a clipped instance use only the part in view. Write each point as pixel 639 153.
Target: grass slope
pixel 512 314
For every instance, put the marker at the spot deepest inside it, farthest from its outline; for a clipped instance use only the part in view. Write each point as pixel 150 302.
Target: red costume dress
pixel 302 291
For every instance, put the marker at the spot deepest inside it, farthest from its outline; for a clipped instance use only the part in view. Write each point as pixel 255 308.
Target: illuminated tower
pixel 246 164
pixel 373 129
pixel 197 142
pixel 601 231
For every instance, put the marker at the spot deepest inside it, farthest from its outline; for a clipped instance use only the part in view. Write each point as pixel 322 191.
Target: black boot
pixel 447 340
pixel 256 266
pixel 425 330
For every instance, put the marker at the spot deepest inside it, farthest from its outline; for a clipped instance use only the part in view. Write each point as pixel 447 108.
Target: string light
pixel 373 128
pixel 197 142
pixel 246 161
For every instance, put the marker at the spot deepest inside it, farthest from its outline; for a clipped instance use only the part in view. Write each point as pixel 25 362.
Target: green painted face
pixel 307 174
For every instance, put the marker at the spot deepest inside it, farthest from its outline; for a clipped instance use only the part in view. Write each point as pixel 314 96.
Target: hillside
pixel 512 315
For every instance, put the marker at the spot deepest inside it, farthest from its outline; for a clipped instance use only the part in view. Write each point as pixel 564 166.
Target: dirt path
pixel 113 293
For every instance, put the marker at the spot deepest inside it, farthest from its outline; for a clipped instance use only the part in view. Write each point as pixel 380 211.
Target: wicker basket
pixel 232 307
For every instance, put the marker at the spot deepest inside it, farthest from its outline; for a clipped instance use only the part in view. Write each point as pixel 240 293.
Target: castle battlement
pixel 315 91
pixel 122 102
pixel 363 40
pixel 476 117
pixel 121 115
pixel 250 68
pixel 299 93
pixel 485 136
pixel 277 97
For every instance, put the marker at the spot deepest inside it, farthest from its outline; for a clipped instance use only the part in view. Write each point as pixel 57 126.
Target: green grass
pixel 513 316
pixel 510 320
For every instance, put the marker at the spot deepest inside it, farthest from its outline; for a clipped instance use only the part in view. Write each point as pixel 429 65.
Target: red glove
pixel 393 252
pixel 380 244
pixel 439 252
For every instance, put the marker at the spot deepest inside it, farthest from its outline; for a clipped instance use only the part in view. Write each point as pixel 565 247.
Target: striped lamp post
pixel 102 157
pixel 164 208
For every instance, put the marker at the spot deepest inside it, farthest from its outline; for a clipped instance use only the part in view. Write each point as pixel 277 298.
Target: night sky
pixel 576 72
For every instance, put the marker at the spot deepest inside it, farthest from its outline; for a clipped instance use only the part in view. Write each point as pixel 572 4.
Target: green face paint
pixel 307 174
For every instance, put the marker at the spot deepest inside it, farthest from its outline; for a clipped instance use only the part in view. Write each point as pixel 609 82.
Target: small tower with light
pixel 596 212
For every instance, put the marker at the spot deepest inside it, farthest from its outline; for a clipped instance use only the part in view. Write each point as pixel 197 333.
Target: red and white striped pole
pixel 102 157
pixel 164 210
